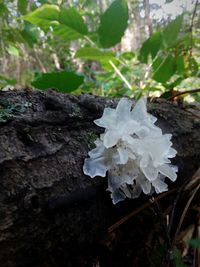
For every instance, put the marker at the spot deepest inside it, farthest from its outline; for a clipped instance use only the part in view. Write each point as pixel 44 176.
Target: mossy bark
pixel 49 210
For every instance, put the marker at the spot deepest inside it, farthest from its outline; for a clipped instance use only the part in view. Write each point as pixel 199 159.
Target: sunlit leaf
pixel 94 54
pixel 43 16
pixel 114 22
pixel 103 57
pixel 71 25
pixel 106 64
pixel 13 50
pixel 66 23
pixel 127 55
pixel 63 81
pixel 55 2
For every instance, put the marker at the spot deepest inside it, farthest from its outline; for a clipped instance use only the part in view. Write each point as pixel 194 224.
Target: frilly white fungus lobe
pixel 133 150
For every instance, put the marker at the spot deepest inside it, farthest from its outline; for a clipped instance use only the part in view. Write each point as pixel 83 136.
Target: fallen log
pixel 51 214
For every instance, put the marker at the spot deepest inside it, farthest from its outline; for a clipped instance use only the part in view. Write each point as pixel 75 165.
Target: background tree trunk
pixel 51 214
pixel 148 26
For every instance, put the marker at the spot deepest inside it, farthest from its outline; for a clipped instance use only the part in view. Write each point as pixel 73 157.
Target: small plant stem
pixel 184 92
pixel 169 248
pixel 185 211
pixel 89 40
pixel 120 74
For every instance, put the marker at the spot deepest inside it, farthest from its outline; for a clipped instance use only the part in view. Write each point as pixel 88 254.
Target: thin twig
pixel 195 179
pixel 136 211
pixel 120 74
pixel 184 212
pixel 39 61
pixel 168 243
pixel 183 93
pixel 89 40
pixel 179 193
pixel 187 185
pixel 178 196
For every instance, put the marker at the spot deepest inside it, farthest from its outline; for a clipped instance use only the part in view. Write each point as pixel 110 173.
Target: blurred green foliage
pixel 74 46
pixel 195 242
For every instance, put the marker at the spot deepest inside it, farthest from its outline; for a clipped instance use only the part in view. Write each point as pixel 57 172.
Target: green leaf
pixel 127 55
pixel 67 23
pixel 94 54
pixel 195 242
pixel 43 16
pixel 71 25
pixel 30 34
pixel 178 258
pixel 151 47
pixel 50 1
pixel 22 6
pixel 12 50
pixel 166 94
pixel 63 81
pixel 90 53
pixel 6 81
pixel 172 30
pixel 113 23
pixel 180 66
pixel 164 68
pixel 71 18
pixel 3 9
pixel 176 82
pixel 156 256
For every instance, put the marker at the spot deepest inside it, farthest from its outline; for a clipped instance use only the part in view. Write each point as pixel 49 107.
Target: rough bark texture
pixel 49 211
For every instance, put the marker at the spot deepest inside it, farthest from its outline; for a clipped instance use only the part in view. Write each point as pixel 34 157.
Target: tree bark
pixel 148 26
pixel 134 30
pixel 50 212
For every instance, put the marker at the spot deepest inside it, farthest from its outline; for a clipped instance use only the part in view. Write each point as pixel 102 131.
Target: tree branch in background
pixel 148 25
pixel 192 26
pixel 56 61
pixel 39 61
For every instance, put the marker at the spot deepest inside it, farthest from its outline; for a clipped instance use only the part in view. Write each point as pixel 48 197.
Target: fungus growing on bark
pixel 133 151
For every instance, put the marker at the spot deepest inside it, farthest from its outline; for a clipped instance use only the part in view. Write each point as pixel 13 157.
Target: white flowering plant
pixel 133 151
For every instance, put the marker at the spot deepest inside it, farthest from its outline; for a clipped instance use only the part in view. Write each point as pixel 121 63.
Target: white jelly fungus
pixel 133 151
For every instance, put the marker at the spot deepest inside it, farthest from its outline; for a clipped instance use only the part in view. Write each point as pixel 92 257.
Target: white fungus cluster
pixel 133 150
